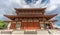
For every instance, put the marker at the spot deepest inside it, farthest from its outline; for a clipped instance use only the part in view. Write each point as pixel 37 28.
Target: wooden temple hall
pixel 30 19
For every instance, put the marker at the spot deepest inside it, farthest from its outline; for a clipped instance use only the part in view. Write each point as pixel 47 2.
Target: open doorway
pixel 42 25
pixel 18 25
pixel 48 26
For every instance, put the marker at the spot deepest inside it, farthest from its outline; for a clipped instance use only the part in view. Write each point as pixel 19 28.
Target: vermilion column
pixel 40 24
pixel 44 25
pixel 8 27
pixel 13 25
pixel 22 26
pixel 51 25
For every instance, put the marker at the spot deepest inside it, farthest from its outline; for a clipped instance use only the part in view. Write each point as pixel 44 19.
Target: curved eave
pixel 50 16
pixel 53 20
pixel 29 8
pixel 41 16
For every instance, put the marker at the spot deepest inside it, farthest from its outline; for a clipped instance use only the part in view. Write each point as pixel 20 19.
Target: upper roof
pixel 29 9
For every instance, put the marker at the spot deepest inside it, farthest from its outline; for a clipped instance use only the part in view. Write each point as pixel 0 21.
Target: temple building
pixel 30 19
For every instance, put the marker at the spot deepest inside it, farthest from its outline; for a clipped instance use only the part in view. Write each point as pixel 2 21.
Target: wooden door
pixel 30 25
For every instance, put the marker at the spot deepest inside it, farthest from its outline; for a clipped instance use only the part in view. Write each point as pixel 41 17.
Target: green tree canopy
pixel 2 24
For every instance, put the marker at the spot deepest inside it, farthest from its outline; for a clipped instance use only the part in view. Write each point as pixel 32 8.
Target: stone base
pixel 18 32
pixel 42 32
pixel 30 32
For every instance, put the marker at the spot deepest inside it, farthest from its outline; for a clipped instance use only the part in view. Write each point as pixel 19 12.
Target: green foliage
pixel 2 24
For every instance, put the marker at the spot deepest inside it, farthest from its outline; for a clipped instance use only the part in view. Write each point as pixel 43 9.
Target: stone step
pixel 30 32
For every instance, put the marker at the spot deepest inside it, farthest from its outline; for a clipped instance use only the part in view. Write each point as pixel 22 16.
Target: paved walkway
pixel 33 32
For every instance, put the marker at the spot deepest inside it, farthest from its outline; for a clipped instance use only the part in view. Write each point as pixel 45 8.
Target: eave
pixel 29 9
pixel 40 16
pixel 40 21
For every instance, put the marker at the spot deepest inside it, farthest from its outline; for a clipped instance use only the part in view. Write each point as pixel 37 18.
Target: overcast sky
pixel 7 7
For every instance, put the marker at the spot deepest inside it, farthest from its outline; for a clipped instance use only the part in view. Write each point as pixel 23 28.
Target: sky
pixel 7 7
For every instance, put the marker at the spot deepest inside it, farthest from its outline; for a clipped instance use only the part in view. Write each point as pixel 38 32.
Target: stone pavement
pixel 33 32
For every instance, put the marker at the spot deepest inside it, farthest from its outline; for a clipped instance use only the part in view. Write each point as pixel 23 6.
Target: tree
pixel 2 24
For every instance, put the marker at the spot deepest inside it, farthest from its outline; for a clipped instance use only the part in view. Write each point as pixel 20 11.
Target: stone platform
pixel 33 32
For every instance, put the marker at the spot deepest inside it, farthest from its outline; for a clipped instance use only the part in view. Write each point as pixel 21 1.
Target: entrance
pixel 48 26
pixel 18 25
pixel 30 25
pixel 42 25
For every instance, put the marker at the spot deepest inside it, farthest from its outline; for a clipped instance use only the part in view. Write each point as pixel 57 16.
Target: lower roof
pixel 40 16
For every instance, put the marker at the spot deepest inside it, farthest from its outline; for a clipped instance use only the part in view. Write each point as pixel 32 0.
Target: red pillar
pixel 51 25
pixel 13 24
pixel 39 24
pixel 44 25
